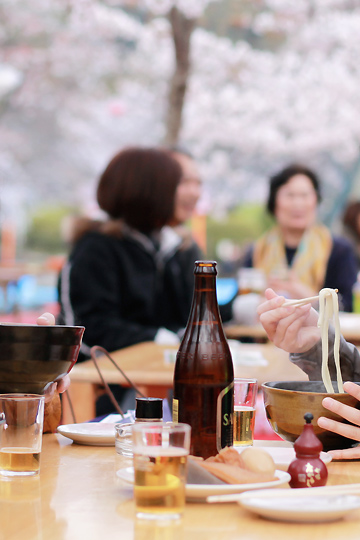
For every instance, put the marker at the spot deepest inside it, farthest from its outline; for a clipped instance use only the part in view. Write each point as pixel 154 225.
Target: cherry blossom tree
pixel 94 77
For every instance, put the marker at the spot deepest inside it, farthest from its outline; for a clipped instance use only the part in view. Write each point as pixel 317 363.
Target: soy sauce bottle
pixel 204 374
pixel 307 469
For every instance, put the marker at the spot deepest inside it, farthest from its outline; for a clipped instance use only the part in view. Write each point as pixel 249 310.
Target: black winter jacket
pixel 124 287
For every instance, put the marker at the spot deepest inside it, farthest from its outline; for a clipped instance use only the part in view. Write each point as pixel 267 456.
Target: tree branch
pixel 182 29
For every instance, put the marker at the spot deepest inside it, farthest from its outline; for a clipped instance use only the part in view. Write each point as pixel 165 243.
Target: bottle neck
pixel 204 323
pixel 205 305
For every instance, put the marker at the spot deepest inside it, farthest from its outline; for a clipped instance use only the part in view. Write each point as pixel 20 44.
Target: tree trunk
pixel 182 29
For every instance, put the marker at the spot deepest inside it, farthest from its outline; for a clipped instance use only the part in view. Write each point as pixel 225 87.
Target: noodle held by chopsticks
pixel 328 309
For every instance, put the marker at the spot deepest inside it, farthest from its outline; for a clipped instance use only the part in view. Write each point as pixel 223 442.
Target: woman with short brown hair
pixel 130 278
pixel 139 186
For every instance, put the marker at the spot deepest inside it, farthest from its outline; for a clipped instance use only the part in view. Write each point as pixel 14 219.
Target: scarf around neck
pixel 309 263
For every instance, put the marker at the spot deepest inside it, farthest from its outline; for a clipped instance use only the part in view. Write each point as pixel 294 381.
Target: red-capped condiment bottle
pixel 307 469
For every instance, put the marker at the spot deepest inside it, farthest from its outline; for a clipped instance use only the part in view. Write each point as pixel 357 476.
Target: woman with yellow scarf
pixel 298 255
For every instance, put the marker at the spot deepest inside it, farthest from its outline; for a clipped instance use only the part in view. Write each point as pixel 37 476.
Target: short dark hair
pixel 283 177
pixel 139 186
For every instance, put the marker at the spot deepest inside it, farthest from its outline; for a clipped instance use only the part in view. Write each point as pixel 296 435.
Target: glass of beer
pixel 245 392
pixel 21 437
pixel 251 280
pixel 160 453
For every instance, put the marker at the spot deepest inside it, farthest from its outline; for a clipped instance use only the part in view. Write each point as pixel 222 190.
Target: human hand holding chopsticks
pixel 292 328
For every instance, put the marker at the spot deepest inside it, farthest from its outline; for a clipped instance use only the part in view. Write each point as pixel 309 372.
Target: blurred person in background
pixel 298 255
pixel 130 278
pixel 351 222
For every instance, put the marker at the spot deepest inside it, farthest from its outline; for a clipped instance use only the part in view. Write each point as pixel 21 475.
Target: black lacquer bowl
pixel 286 402
pixel 32 357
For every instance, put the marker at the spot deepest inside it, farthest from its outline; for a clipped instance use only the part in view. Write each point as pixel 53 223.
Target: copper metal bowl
pixel 32 357
pixel 286 403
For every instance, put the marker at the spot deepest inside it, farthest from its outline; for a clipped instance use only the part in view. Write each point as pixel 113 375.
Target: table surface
pixel 349 324
pixel 78 495
pixel 145 364
pixel 146 367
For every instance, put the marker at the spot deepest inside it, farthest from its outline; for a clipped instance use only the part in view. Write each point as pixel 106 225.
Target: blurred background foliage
pixel 47 232
pixel 265 82
pixel 242 225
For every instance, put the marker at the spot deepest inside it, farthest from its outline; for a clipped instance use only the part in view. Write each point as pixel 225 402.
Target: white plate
pixel 289 506
pixel 90 433
pixel 199 492
pixel 284 456
pixel 242 356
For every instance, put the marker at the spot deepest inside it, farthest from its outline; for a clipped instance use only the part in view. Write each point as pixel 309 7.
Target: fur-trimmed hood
pixel 167 238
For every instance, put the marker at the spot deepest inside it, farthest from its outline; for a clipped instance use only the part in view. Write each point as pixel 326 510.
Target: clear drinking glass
pixel 245 392
pixel 123 439
pixel 21 438
pixel 160 453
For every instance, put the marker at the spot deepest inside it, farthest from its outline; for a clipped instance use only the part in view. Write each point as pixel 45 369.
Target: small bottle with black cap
pixel 148 409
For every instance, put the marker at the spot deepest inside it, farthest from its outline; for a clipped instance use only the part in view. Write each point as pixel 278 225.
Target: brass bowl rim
pixel 303 392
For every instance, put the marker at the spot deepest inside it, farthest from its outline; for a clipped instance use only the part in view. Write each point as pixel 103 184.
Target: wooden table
pixel 239 331
pixel 79 496
pixel 349 324
pixel 145 365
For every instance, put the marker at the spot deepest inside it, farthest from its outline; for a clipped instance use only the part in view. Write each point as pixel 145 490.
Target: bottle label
pixel 175 410
pixel 224 417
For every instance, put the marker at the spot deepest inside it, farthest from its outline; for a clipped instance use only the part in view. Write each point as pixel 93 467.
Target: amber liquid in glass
pixel 159 486
pixel 243 422
pixel 19 461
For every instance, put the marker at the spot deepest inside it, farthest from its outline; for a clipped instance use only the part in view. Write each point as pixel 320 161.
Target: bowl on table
pixel 286 402
pixel 32 356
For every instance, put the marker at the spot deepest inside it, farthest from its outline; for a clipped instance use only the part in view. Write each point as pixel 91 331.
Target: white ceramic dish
pixel 284 456
pixel 199 492
pixel 89 433
pixel 244 357
pixel 299 508
pixel 240 356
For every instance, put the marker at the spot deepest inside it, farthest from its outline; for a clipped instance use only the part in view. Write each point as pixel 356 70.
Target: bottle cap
pixel 308 443
pixel 205 267
pixel 149 408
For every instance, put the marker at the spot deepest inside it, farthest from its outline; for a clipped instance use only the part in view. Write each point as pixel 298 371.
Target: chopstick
pixel 302 301
pixel 341 489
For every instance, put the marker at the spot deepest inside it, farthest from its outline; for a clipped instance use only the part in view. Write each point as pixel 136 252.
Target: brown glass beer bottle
pixel 204 374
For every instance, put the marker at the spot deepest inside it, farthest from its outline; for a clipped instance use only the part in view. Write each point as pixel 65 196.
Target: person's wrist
pixel 307 351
